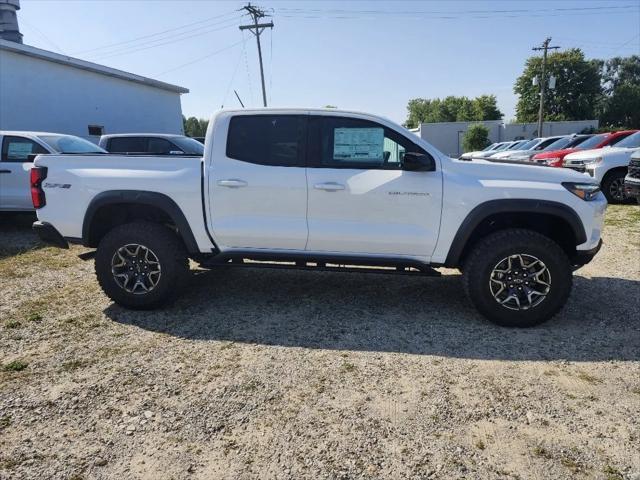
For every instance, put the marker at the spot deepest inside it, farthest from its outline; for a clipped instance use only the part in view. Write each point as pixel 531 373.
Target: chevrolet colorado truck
pixel 323 189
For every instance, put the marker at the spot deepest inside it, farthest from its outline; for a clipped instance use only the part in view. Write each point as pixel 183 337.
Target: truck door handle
pixel 329 186
pixel 5 171
pixel 232 183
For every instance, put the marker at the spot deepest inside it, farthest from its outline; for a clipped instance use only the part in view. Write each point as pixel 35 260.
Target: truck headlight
pixel 586 191
pixel 590 162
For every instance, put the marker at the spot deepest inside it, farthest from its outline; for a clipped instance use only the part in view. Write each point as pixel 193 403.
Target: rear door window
pixel 276 140
pixel 18 149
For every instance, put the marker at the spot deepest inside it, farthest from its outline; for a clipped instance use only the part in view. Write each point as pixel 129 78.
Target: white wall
pixel 44 96
pixel 549 129
pixel 447 136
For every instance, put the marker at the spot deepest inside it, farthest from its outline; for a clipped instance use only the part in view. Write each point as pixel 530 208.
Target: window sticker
pixel 19 149
pixel 358 144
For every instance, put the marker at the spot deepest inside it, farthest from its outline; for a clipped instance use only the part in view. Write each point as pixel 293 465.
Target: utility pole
pixel 257 28
pixel 543 79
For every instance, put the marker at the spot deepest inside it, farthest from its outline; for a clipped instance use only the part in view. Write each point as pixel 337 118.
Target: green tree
pixel 475 138
pixel 194 127
pixel 619 106
pixel 575 95
pixel 486 108
pixel 452 109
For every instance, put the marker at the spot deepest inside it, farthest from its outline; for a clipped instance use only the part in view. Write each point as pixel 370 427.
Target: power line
pixel 172 40
pixel 257 29
pixel 456 12
pixel 356 14
pixel 233 75
pixel 199 59
pixel 133 40
pixel 246 63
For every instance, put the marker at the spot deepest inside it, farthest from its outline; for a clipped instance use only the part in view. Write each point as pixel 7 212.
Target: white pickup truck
pixel 324 189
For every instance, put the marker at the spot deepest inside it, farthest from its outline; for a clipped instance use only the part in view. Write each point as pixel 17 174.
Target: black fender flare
pixel 140 197
pixel 492 207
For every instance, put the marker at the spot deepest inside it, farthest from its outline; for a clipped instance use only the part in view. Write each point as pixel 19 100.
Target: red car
pixel 554 158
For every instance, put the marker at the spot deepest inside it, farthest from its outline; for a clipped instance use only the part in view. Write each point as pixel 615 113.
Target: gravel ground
pixel 287 374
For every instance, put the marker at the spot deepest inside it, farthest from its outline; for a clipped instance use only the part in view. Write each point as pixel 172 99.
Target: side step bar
pixel 351 265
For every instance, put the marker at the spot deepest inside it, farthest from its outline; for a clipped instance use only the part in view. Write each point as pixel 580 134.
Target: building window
pixel 96 130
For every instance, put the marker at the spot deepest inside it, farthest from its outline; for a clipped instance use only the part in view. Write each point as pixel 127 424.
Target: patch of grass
pixel 586 377
pixel 9 463
pixel 541 452
pixel 34 317
pixel 480 445
pixel 571 464
pixel 612 473
pixel 25 262
pixel 13 324
pixel 73 365
pixel 15 366
pixel 348 367
pixel 5 421
pixel 636 390
pixel 626 216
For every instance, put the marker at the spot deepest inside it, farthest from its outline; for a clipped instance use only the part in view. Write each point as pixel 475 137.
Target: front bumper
pixel 582 257
pixel 49 234
pixel 632 188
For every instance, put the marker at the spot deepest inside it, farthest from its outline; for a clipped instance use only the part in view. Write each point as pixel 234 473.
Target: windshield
pixel 632 141
pixel 528 145
pixel 593 141
pixel 71 144
pixel 560 143
pixel 578 141
pixel 189 145
pixel 517 145
pixel 490 147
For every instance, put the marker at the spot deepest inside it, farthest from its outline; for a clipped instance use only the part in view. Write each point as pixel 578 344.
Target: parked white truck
pixel 324 189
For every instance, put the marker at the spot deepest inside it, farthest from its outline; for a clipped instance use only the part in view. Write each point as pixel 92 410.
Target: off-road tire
pixel 489 251
pixel 168 249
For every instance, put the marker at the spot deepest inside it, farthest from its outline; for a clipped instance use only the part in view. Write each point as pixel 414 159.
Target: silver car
pixel 18 151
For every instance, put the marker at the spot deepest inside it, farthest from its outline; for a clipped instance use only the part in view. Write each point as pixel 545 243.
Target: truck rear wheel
pixel 141 265
pixel 517 277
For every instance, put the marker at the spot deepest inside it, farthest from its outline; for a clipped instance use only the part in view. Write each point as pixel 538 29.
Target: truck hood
pixel 600 152
pixel 517 171
pixel 556 153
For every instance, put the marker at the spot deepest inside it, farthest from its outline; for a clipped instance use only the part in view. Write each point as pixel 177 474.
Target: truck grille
pixel 577 168
pixel 634 168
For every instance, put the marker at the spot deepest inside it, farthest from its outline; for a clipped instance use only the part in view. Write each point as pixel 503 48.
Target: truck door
pixel 257 182
pixel 361 201
pixel 15 191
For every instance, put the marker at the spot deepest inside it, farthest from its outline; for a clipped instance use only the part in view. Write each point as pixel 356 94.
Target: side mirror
pixel 418 162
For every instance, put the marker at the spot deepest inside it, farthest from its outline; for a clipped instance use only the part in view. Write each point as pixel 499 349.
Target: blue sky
pixel 364 55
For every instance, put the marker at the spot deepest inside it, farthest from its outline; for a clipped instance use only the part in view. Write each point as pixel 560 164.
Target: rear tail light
pixel 38 174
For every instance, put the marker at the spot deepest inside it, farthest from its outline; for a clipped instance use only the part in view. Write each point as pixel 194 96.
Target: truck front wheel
pixel 517 277
pixel 141 265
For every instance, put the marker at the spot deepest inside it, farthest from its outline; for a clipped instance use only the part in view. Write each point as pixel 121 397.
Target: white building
pixel 45 91
pixel 447 136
